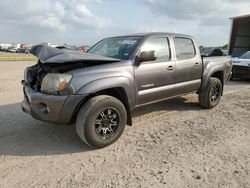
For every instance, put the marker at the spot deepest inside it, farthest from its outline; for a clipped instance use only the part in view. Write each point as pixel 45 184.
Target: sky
pixel 87 21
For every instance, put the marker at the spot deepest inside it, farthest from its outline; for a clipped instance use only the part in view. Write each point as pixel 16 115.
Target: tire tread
pixel 204 95
pixel 84 113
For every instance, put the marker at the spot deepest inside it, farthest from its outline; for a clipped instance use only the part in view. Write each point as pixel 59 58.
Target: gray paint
pixel 47 54
pixel 143 83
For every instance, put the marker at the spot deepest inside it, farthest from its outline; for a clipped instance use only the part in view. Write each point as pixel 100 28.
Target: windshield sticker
pixel 128 42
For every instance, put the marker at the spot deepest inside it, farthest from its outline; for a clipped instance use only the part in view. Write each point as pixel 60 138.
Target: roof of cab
pixel 149 34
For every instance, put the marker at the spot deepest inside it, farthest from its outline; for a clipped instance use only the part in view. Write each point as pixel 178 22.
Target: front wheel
pixel 101 121
pixel 210 96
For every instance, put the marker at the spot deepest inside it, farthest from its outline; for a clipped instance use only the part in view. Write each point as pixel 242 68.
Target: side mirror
pixel 147 56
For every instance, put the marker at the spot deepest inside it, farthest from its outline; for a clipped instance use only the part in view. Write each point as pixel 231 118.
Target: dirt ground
pixel 173 143
pixel 13 54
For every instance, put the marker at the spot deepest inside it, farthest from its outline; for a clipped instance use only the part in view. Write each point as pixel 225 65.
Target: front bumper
pixel 241 71
pixel 51 108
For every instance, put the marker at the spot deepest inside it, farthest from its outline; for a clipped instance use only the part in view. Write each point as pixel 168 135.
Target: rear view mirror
pixel 147 56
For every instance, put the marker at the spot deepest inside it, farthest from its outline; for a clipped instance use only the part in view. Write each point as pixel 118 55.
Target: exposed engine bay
pixel 55 60
pixel 34 75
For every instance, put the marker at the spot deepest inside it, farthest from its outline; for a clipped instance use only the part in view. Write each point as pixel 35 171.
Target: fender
pixel 209 71
pixel 108 83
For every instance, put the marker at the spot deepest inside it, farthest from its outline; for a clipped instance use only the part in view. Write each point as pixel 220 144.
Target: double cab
pixel 99 89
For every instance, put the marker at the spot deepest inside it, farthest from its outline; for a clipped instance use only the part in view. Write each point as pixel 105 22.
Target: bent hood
pixel 47 54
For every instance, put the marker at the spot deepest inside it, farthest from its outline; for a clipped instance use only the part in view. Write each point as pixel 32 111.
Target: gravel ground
pixel 173 143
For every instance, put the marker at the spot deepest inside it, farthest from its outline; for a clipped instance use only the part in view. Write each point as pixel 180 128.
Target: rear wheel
pixel 211 95
pixel 101 121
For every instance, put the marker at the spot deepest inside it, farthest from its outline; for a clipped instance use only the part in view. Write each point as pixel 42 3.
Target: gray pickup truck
pixel 97 90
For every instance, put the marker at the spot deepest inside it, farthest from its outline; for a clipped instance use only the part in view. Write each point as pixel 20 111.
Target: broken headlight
pixel 28 75
pixel 56 83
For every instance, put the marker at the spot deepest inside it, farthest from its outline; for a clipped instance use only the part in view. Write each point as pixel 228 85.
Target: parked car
pixel 21 50
pixel 241 66
pixel 208 52
pixel 13 50
pixel 27 51
pixel 98 90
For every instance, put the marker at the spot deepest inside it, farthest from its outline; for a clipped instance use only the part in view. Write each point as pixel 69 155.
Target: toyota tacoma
pixel 98 90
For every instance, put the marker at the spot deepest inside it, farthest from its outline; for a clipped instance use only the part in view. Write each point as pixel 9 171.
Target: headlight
pixel 55 82
pixel 28 75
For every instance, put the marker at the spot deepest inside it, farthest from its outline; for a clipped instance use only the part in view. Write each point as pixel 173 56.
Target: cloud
pixel 54 14
pixel 214 12
pixel 208 21
pixel 61 17
pixel 86 21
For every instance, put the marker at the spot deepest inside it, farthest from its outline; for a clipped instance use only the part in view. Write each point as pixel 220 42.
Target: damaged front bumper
pixel 51 108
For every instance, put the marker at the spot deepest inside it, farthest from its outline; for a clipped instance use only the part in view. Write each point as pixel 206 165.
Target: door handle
pixel 196 64
pixel 170 67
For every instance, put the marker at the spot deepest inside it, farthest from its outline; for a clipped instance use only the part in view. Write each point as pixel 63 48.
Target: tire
pixel 101 121
pixel 210 96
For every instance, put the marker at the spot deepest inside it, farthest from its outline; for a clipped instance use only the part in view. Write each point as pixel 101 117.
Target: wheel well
pixel 117 92
pixel 220 76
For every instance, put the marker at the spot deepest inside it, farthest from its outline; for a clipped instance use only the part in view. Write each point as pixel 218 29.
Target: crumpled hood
pixel 47 54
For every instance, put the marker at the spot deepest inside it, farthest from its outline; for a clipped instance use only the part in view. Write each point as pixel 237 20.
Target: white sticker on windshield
pixel 129 42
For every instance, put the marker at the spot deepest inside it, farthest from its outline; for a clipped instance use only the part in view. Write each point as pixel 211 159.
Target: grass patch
pixel 18 58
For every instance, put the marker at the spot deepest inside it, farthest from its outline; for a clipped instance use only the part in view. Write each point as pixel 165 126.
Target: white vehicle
pixel 5 47
pixel 241 66
pixel 13 50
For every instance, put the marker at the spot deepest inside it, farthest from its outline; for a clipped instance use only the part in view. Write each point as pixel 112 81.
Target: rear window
pixel 184 48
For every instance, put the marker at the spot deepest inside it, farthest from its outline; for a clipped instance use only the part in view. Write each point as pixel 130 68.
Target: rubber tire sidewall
pixel 89 112
pixel 205 96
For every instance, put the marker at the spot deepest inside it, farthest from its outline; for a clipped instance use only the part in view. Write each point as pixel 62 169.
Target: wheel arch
pixel 117 92
pixel 220 76
pixel 215 74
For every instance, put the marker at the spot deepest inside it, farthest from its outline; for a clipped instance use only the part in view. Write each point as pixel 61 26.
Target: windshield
pixel 245 55
pixel 118 47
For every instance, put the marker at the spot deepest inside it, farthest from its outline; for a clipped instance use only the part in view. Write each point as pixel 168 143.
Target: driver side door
pixel 154 80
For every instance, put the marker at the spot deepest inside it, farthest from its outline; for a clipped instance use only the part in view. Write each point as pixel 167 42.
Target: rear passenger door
pixel 188 66
pixel 155 79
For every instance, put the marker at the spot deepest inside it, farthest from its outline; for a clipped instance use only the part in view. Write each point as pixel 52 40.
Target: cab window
pixel 184 48
pixel 160 46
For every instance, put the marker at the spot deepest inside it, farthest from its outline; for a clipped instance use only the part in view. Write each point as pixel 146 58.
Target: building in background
pixel 54 45
pixel 84 48
pixel 240 36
